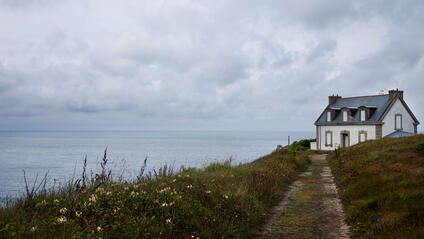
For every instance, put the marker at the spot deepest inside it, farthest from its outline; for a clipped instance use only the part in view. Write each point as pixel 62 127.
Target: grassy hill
pixel 219 201
pixel 381 184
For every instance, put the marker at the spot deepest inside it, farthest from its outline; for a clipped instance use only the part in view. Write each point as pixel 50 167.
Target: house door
pixel 345 140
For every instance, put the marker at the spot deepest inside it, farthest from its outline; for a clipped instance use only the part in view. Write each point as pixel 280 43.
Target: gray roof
pixel 399 133
pixel 376 103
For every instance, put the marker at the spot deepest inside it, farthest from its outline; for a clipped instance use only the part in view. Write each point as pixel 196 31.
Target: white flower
pixel 61 219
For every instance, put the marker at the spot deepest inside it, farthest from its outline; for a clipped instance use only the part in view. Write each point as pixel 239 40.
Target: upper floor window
pixel 398 122
pixel 345 115
pixel 328 116
pixel 363 115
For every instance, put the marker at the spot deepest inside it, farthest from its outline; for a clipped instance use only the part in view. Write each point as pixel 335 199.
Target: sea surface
pixel 61 153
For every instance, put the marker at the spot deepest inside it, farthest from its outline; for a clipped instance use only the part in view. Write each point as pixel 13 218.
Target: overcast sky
pixel 201 65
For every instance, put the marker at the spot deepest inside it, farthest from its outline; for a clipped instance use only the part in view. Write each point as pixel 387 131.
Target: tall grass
pixel 220 201
pixel 381 184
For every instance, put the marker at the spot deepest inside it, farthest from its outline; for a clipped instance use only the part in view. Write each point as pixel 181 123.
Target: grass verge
pixel 381 186
pixel 220 201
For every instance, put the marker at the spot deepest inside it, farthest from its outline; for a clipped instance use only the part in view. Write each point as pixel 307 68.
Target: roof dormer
pixel 329 115
pixel 364 113
pixel 346 114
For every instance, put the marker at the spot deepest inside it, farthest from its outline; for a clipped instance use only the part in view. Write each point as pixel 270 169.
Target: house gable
pixel 397 117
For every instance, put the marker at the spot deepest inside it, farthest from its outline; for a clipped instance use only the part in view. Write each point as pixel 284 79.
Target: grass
pixel 220 201
pixel 381 184
pixel 303 215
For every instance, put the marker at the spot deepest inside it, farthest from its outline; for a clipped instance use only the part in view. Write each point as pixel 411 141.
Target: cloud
pixel 190 64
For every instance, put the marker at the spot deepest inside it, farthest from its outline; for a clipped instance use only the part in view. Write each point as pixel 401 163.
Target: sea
pixel 60 154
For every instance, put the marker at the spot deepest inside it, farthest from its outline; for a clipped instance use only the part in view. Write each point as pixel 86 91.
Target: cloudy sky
pixel 201 65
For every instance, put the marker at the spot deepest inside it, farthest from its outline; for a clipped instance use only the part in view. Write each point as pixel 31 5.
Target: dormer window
pixel 329 116
pixel 363 115
pixel 345 115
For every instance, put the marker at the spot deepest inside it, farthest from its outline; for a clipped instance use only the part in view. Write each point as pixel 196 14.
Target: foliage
pixel 220 201
pixel 381 186
pixel 301 145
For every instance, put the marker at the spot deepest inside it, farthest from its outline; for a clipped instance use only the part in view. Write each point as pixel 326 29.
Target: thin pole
pixel 288 140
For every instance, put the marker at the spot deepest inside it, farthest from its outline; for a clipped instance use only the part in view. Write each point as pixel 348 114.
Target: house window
pixel 328 116
pixel 328 138
pixel 362 136
pixel 344 115
pixel 398 122
pixel 362 115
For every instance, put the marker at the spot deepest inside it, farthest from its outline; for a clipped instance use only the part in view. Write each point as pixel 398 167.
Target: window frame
pixel 330 133
pixel 343 116
pixel 362 115
pixel 362 132
pixel 329 119
pixel 396 122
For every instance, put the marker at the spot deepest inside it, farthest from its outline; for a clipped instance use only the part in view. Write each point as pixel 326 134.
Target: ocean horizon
pixel 61 153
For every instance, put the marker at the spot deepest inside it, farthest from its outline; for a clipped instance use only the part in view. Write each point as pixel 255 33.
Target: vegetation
pixel 381 186
pixel 220 201
pixel 301 145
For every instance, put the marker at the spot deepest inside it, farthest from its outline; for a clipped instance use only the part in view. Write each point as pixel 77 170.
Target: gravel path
pixel 311 207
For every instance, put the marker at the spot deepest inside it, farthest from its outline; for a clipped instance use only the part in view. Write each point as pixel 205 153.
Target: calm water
pixel 62 152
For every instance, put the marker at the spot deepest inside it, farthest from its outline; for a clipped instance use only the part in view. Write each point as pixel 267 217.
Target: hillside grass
pixel 219 201
pixel 381 184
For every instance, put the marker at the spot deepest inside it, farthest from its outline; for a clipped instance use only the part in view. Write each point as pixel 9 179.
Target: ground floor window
pixel 328 138
pixel 362 136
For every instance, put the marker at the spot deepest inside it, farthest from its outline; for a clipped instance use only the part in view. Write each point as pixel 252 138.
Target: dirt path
pixel 311 207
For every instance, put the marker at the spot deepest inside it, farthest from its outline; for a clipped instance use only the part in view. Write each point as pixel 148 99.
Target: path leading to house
pixel 311 207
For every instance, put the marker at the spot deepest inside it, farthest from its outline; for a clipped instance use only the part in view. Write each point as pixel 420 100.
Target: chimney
pixel 395 93
pixel 333 98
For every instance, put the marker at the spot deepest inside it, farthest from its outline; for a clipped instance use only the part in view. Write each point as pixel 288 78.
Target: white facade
pixel 407 122
pixel 337 132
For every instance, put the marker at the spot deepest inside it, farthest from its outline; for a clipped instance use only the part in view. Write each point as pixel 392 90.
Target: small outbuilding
pixel 351 120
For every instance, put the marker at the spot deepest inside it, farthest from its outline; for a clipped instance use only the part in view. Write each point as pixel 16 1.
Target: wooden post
pixel 288 141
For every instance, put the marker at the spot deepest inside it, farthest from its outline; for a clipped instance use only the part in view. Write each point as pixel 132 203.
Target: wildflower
pixel 115 210
pixel 33 229
pixel 171 204
pixel 108 193
pixel 99 228
pixel 135 186
pixel 61 219
pixel 225 196
pixel 56 201
pixel 174 180
pixel 208 192
pixel 63 210
pixel 101 190
pixel 78 213
pixel 179 175
pixel 163 190
pixel 164 204
pixel 168 220
pixel 126 188
pixel 189 186
pixel 92 198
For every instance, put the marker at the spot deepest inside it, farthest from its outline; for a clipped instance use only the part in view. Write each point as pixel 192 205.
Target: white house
pixel 350 120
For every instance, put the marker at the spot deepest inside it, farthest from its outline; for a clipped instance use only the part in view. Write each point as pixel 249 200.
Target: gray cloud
pixel 200 65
